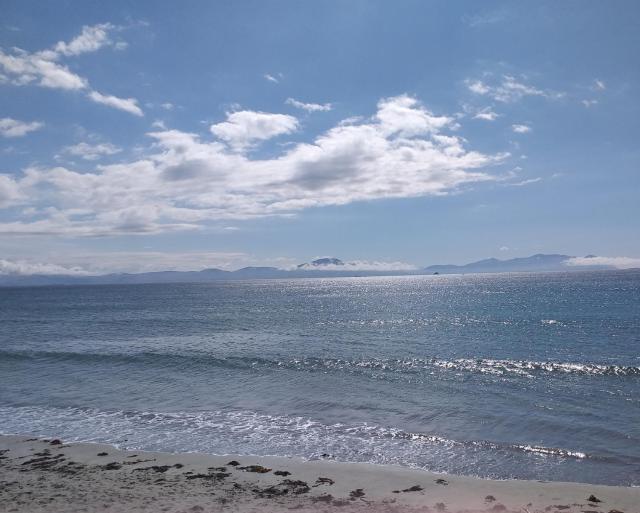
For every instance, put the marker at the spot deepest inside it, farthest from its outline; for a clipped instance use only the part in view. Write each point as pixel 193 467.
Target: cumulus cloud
pixel 126 104
pixel 521 129
pixel 91 151
pixel 508 89
pixel 91 39
pixel 617 262
pixel 245 127
pixel 403 150
pixel 13 128
pixel 309 107
pixel 9 191
pixel 21 68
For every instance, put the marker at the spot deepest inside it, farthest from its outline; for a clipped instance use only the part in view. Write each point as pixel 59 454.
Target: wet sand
pixel 51 476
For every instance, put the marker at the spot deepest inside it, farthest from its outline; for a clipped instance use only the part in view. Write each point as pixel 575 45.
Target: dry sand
pixel 47 476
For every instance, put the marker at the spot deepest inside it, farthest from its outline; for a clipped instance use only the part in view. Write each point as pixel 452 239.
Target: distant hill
pixel 322 267
pixel 534 263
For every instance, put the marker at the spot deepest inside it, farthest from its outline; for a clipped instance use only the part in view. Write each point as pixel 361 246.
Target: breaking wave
pixel 193 359
pixel 248 432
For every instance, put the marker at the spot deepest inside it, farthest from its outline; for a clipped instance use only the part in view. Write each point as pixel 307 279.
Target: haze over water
pixel 531 376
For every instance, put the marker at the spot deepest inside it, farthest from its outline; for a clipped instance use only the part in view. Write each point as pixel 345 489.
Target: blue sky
pixel 139 135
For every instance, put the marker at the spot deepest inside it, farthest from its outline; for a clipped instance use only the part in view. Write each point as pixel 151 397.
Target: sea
pixel 525 376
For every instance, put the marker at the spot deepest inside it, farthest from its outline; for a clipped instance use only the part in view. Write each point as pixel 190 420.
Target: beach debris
pixel 216 475
pixel 155 468
pixel 442 482
pixel 489 498
pixel 414 488
pixel 55 442
pixel 103 454
pixel 179 465
pixel 327 497
pixel 593 498
pixel 324 481
pixel 282 473
pixel 218 469
pixel 136 462
pixel 296 486
pixel 114 465
pixel 256 468
pixel 287 486
pixel 233 463
pixel 358 493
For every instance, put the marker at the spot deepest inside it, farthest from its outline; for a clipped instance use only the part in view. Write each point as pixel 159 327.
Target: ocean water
pixel 530 376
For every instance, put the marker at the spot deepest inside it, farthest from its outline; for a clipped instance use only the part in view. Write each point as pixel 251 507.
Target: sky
pixel 139 136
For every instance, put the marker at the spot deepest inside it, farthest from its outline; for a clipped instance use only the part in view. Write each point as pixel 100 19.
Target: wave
pixel 249 432
pixel 502 367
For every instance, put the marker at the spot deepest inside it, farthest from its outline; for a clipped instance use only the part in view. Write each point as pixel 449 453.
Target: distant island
pixel 322 267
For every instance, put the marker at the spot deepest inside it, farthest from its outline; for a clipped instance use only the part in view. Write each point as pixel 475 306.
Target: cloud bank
pixel 24 268
pixel 617 262
pixel 187 183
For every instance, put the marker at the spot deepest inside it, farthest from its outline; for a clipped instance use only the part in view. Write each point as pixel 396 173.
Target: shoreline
pixel 37 475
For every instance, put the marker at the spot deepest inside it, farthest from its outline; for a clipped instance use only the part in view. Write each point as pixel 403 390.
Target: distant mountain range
pixel 323 267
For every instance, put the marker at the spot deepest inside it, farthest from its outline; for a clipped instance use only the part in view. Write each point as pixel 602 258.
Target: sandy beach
pixel 49 475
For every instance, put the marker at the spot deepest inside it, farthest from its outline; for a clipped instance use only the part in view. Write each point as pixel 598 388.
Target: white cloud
pixel 309 107
pixel 22 267
pixel 9 191
pixel 21 68
pixel 404 150
pixel 92 151
pixel 126 104
pixel 271 78
pixel 508 90
pixel 521 129
pixel 91 38
pixel 478 87
pixel 486 114
pixel 504 248
pixel 167 106
pixel 599 85
pixel 13 128
pixel 243 128
pixel 617 262
pixel 522 183
pixel 589 103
